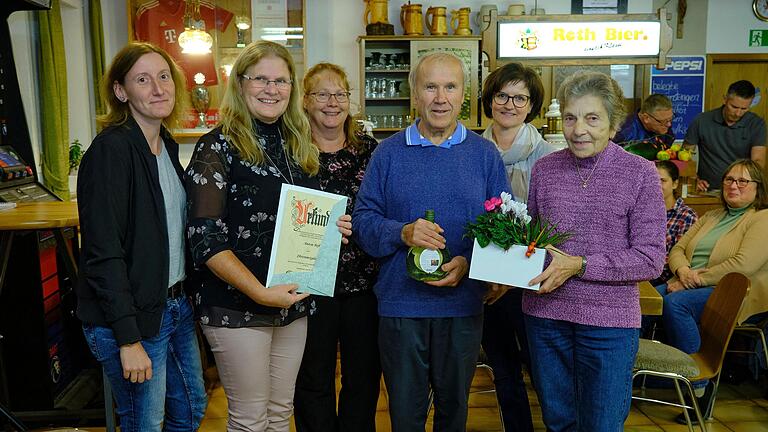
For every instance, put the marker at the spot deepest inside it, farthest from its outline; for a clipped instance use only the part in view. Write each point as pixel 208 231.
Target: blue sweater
pixel 400 183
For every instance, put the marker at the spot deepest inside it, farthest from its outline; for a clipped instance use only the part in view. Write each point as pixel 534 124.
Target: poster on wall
pixel 682 81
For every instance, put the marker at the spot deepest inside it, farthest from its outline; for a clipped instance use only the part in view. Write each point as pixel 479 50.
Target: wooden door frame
pixel 726 58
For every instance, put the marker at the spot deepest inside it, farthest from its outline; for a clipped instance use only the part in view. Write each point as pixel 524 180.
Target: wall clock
pixel 760 8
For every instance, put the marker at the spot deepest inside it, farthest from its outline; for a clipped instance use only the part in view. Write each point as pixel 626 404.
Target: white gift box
pixel 508 267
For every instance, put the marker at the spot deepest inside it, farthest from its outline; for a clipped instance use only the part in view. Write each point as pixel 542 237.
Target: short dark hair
pixel 756 172
pixel 743 89
pixel 513 73
pixel 670 168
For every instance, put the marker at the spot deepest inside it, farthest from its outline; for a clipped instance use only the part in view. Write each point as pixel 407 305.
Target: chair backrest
pixel 719 319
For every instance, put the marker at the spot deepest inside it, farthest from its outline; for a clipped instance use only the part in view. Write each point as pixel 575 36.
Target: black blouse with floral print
pixel 232 205
pixel 341 172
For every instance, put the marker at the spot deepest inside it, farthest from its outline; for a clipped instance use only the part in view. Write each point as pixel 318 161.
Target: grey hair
pixel 600 85
pixel 439 56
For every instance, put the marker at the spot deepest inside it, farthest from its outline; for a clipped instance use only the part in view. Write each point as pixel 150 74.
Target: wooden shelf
pixel 189 133
pixel 401 98
pixel 387 70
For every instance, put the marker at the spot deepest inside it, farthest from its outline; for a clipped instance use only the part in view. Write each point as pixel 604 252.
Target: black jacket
pixel 124 259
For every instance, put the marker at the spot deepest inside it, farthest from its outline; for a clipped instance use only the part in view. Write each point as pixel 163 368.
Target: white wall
pixel 729 26
pixel 74 20
pixel 694 25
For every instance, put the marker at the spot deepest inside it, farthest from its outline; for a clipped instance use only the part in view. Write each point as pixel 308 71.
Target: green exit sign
pixel 758 38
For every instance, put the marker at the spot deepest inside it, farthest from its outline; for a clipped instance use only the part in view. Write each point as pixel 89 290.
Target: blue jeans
pixel 174 399
pixel 582 374
pixel 681 316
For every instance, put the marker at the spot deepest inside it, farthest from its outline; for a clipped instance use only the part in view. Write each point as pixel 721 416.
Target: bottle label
pixel 430 260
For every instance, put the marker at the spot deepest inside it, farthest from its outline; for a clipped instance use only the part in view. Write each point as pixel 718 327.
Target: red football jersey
pixel 162 21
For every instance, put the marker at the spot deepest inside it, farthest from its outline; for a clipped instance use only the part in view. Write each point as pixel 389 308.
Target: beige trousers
pixel 258 367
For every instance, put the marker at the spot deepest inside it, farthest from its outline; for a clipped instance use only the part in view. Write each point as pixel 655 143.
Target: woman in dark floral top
pixel 234 178
pixel 349 319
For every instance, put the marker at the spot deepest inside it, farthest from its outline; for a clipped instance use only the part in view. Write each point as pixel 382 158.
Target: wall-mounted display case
pixel 385 61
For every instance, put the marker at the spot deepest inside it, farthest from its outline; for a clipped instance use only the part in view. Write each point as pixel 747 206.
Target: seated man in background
pixel 651 122
pixel 726 134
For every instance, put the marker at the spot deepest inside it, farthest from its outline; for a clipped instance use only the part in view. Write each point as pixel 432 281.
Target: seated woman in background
pixel 680 217
pixel 721 242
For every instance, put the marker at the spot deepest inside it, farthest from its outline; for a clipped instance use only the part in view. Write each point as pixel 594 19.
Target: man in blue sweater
pixel 429 332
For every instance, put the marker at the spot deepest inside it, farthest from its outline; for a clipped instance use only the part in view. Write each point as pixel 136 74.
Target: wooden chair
pixel 717 323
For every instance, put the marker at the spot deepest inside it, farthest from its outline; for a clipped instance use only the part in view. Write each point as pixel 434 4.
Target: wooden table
pixel 651 302
pixel 53 215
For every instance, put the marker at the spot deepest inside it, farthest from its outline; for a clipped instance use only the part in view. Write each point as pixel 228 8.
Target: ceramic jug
pixel 376 12
pixel 460 21
pixel 484 10
pixel 411 19
pixel 438 24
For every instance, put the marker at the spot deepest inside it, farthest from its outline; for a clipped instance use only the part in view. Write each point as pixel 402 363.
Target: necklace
pixel 287 161
pixel 584 181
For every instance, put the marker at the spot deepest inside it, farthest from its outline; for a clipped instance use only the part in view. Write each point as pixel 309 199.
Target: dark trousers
pixel 506 346
pixel 422 353
pixel 351 323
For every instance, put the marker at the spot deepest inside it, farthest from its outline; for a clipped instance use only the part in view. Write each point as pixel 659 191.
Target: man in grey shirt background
pixel 726 134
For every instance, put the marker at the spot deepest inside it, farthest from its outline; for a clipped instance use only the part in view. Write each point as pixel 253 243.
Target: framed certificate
pixel 306 244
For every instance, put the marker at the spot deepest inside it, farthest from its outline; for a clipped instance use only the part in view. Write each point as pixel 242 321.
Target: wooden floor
pixel 739 408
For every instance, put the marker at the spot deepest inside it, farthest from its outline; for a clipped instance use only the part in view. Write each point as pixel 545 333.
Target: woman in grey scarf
pixel 512 96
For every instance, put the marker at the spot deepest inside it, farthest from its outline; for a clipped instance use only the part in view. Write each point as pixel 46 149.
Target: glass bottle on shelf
pixel 425 264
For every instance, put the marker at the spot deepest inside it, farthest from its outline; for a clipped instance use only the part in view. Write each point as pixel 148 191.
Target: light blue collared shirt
pixel 414 137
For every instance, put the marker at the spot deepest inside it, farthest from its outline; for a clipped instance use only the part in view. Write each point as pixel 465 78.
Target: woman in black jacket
pixel 136 318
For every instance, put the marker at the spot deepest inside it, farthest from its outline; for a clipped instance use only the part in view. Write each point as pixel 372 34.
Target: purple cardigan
pixel 618 222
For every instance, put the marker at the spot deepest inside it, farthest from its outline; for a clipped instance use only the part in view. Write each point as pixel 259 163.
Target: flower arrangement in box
pixel 509 244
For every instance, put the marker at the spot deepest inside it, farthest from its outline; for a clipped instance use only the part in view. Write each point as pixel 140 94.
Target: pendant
pixel 584 184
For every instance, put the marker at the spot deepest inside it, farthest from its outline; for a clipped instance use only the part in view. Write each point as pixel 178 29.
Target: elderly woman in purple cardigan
pixel 582 323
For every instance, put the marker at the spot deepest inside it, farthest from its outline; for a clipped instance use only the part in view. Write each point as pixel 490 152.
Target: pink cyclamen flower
pixel 492 203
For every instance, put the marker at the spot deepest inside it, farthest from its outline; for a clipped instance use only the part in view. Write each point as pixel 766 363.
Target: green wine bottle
pixel 426 264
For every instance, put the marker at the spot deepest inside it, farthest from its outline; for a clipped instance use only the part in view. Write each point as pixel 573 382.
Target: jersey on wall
pixel 162 21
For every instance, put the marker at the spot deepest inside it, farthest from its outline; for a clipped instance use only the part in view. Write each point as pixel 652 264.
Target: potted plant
pixel 509 244
pixel 75 156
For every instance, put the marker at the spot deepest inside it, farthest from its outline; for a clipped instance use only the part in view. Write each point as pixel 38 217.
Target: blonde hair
pixel 236 121
pixel 118 111
pixel 351 128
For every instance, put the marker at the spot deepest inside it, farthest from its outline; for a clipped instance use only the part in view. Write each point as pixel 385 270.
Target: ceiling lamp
pixel 194 39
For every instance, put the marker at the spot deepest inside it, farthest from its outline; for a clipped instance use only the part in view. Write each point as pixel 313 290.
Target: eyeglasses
pixel 519 101
pixel 741 183
pixel 667 122
pixel 260 82
pixel 323 97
